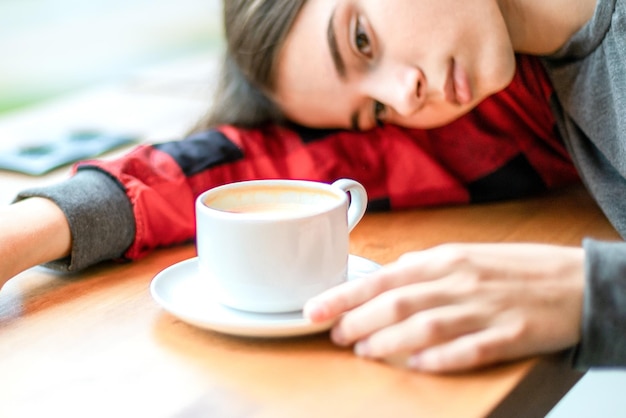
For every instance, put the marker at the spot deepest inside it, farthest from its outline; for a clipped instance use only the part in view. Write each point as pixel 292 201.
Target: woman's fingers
pixel 490 345
pixel 411 268
pixel 421 330
pixel 335 301
pixel 390 307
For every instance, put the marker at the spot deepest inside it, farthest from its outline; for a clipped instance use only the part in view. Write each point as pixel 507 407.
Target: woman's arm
pixel 33 231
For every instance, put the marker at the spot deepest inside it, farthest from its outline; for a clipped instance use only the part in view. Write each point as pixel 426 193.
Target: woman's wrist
pixel 33 231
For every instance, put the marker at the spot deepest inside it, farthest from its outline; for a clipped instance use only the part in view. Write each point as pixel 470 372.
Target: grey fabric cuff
pixel 603 342
pixel 99 214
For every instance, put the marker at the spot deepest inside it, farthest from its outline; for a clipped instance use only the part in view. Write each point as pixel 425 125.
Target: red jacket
pixel 506 147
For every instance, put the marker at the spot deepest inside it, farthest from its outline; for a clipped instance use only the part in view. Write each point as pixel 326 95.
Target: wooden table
pixel 97 345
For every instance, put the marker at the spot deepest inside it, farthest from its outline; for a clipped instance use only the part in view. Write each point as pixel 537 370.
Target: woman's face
pixel 413 63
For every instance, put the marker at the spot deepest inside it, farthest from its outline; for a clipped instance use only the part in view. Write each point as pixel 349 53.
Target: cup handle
pixel 358 200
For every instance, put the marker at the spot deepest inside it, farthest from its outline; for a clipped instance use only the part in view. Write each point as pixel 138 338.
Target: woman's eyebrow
pixel 340 66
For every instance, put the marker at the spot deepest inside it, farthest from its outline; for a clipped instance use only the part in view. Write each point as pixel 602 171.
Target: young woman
pixel 418 64
pixel 358 64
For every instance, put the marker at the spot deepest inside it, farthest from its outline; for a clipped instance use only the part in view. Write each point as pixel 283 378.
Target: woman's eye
pixel 379 112
pixel 361 40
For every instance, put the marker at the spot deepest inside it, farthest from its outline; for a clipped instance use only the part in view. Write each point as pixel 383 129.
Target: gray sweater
pixel 589 76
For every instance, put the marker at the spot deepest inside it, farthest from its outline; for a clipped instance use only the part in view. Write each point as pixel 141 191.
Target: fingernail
pixel 337 336
pixel 313 310
pixel 416 362
pixel 362 349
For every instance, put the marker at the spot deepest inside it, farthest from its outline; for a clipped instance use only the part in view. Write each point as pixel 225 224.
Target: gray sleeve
pixel 99 214
pixel 603 342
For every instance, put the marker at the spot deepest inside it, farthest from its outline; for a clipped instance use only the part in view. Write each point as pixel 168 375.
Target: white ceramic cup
pixel 268 246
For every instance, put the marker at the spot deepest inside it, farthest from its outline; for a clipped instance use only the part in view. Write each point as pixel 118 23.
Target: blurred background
pixel 51 48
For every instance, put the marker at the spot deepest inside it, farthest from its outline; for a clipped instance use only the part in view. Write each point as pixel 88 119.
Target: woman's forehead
pixel 308 87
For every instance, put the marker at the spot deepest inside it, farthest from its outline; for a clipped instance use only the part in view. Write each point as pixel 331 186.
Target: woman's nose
pixel 404 89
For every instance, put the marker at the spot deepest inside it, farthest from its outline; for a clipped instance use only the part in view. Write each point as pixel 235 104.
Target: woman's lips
pixel 457 89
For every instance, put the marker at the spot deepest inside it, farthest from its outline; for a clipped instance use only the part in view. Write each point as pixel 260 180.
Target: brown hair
pixel 255 31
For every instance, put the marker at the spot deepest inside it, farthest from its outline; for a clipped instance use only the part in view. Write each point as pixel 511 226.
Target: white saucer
pixel 181 292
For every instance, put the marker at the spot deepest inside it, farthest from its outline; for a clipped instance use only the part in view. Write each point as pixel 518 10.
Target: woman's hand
pixel 461 306
pixel 32 231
